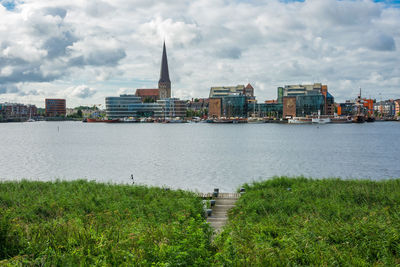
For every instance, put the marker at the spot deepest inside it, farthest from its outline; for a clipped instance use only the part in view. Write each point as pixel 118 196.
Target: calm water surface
pixel 197 156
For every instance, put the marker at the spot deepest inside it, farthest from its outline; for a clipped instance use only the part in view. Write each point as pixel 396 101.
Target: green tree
pixel 148 100
pixel 79 113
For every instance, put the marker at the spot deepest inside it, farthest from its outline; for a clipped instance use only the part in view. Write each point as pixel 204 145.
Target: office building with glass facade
pixel 234 106
pixel 132 106
pixel 171 108
pixel 310 99
pixel 129 106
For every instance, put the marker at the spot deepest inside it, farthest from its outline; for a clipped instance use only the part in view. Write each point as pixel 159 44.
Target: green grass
pixel 314 222
pixel 283 221
pixel 87 223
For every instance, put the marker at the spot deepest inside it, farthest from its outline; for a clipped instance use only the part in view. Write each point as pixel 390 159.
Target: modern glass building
pixel 310 105
pixel 171 108
pixel 129 106
pixel 234 106
pixel 269 110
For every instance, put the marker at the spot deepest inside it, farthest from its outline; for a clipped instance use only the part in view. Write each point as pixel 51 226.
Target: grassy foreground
pixel 314 222
pixel 284 221
pixel 86 223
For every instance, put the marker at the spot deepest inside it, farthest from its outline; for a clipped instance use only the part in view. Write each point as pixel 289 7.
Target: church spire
pixel 164 84
pixel 164 73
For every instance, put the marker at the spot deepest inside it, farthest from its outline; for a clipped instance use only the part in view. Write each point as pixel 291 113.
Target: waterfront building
pixel 228 106
pixel 215 108
pixel 397 107
pixel 55 107
pixel 310 99
pixel 269 108
pixel 386 108
pixel 222 91
pixel 235 106
pixel 126 106
pixel 198 104
pixel 369 106
pixel 16 111
pixel 346 109
pixel 171 108
pixel 289 106
pixel 164 84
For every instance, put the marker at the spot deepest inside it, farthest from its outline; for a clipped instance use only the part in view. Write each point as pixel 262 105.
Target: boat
pixel 177 120
pixel 130 120
pixel 147 120
pixel 359 119
pixel 341 119
pixel 370 119
pixel 255 120
pixel 300 120
pixel 321 120
pixel 102 120
pixel 360 116
pixel 30 117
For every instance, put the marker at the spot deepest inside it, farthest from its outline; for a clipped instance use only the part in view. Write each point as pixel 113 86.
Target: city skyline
pixel 87 51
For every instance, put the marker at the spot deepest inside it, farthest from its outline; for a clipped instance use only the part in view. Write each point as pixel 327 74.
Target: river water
pixel 197 156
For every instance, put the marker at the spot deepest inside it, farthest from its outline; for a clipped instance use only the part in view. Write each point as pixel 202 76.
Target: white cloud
pixel 117 44
pixel 81 91
pixel 6 71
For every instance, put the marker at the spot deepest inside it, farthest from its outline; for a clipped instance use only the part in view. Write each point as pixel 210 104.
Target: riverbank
pixel 283 221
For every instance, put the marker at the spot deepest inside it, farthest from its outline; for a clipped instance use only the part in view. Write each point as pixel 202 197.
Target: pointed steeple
pixel 164 73
pixel 164 84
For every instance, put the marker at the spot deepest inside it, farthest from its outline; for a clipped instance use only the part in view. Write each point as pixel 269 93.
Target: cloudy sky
pixel 86 50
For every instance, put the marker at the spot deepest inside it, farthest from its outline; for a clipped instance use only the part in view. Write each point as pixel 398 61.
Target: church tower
pixel 164 84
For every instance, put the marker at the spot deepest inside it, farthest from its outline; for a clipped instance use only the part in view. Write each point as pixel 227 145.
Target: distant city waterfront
pixel 197 156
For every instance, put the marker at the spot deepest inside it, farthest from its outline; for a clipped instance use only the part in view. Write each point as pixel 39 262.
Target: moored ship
pixel 102 120
pixel 299 120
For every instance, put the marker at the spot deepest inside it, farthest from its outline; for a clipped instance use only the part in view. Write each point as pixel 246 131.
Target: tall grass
pixel 283 221
pixel 87 223
pixel 300 221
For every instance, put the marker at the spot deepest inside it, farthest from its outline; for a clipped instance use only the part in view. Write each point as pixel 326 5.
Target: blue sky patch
pixel 8 4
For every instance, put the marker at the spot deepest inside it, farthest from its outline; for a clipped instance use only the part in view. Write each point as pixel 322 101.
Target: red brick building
pixel 152 94
pixel 55 107
pixel 289 106
pixel 214 108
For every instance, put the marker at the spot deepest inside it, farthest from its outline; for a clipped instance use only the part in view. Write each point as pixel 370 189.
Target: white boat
pixel 321 120
pixel 30 117
pixel 299 120
pixel 255 120
pixel 130 120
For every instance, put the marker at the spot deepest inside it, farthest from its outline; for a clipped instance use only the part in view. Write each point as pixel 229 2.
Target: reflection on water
pixel 197 156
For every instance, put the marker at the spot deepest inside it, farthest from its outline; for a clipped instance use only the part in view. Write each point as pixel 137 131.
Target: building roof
pixel 147 92
pixel 164 74
pixel 248 86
